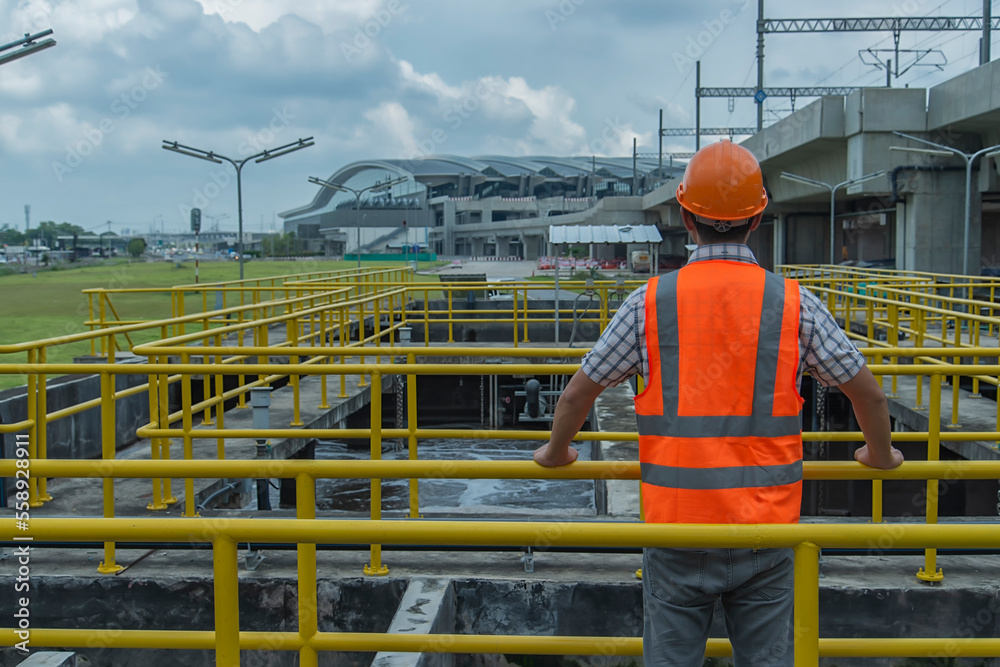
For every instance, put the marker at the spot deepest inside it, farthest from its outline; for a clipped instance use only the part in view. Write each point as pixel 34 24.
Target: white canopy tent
pixel 591 234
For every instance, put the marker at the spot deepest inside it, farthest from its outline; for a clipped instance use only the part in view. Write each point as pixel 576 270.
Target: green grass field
pixel 49 303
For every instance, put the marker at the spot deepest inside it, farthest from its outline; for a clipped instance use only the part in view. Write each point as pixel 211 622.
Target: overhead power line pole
pixel 760 66
pixel 984 46
pixel 895 25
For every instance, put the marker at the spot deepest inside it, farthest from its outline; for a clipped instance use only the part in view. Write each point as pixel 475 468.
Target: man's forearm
pixel 872 412
pixel 572 409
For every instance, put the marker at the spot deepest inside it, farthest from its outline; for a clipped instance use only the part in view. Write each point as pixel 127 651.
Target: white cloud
pixel 392 126
pixel 259 14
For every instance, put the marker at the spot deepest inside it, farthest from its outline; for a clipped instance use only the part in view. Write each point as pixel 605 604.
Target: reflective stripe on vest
pixel 720 425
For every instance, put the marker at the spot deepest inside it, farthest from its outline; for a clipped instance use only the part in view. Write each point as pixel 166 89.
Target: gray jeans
pixel 680 587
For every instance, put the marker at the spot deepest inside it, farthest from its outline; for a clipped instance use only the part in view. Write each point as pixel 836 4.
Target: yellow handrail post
pixel 344 326
pixel 871 321
pixel 894 342
pixel 918 342
pixel 220 411
pixel 155 443
pixel 376 568
pixel 206 381
pixel 108 439
pixel 241 379
pixel 225 572
pixel 427 319
pixel 956 380
pixel 305 508
pixel 806 604
pixel 186 427
pixel 100 307
pixel 514 305
pixel 361 340
pixel 411 425
pixel 876 501
pixel 32 406
pixel 293 339
pixel 324 342
pixel 930 571
pixel 164 396
pixel 42 417
pixel 451 317
pixel 377 325
pixel 974 341
pixel 90 317
pixel 525 318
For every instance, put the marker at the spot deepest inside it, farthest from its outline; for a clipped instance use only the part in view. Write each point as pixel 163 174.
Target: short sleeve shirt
pixel 825 351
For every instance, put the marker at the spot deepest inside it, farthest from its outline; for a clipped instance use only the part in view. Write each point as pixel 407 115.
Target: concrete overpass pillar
pixel 930 226
pixel 778 251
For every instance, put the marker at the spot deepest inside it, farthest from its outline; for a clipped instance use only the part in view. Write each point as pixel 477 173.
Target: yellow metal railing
pixel 223 534
pixel 160 430
pixel 318 314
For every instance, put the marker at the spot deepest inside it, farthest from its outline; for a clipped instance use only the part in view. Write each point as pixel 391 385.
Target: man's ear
pixel 755 223
pixel 689 224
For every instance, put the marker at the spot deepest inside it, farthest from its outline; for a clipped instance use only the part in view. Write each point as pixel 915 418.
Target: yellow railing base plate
pixel 109 569
pixel 380 572
pixel 932 578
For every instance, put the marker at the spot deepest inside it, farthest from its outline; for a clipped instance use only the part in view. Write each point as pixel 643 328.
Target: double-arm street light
pixel 264 155
pixel 339 187
pixel 833 195
pixel 948 151
pixel 28 46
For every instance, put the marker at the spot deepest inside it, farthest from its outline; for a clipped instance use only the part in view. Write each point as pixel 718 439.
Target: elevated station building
pixel 910 217
pixel 488 205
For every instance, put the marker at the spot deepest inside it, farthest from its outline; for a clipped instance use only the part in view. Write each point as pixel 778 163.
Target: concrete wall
pixel 79 436
pixel 970 98
pixel 186 603
pixel 930 224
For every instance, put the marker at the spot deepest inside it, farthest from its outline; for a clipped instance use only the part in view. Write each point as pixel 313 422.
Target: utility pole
pixel 984 45
pixel 659 168
pixel 212 156
pixel 760 64
pixel 697 106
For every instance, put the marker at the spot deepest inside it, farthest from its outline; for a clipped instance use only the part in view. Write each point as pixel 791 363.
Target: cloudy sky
pixel 81 124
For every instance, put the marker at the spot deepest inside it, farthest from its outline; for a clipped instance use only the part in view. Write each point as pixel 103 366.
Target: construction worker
pixel 721 344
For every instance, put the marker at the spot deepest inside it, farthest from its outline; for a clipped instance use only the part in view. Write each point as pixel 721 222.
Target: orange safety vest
pixel 720 419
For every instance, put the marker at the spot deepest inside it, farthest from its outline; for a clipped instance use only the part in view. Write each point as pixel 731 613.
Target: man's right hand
pixel 868 458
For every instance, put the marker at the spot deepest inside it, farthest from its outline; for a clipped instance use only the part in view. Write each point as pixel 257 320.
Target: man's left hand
pixel 551 457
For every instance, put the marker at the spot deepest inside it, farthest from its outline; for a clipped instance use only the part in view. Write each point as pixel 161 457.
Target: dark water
pixel 458 496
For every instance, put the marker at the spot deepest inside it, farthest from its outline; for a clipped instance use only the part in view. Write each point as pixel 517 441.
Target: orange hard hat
pixel 723 182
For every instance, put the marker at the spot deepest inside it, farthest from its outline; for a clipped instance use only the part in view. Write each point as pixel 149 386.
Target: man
pixel 722 344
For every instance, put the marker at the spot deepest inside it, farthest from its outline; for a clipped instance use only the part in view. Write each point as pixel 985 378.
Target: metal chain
pixel 482 401
pixel 400 386
pixel 821 404
pixel 998 499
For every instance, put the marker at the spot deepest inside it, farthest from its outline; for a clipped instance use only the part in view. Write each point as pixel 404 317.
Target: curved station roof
pixel 437 170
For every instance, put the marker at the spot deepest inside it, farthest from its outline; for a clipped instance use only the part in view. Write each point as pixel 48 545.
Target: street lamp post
pixel 28 46
pixel 339 187
pixel 833 195
pixel 969 158
pixel 264 155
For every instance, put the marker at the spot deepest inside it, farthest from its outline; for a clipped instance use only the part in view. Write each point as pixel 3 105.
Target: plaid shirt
pixel 824 349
